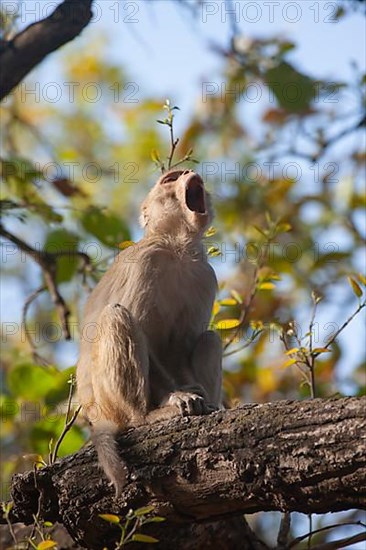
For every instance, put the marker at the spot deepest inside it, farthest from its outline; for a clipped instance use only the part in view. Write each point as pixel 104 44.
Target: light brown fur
pixel 146 353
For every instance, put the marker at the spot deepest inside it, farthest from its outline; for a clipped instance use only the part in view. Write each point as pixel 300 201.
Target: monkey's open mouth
pixel 195 195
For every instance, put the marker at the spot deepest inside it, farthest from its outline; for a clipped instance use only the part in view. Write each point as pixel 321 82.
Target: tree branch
pixel 48 263
pixel 305 456
pixel 28 48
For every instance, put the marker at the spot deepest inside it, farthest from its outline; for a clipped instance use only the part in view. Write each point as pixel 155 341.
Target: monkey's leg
pixel 206 368
pixel 201 394
pixel 119 380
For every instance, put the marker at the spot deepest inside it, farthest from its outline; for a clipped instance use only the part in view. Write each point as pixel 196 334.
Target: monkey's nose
pixel 186 172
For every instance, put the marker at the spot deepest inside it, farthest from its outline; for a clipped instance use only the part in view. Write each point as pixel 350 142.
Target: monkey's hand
pixel 189 403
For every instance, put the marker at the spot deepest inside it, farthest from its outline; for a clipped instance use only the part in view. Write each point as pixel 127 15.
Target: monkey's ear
pixel 143 217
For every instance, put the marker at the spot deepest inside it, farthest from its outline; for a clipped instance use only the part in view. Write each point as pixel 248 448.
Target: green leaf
pixel 62 240
pixel 109 228
pixel 21 178
pixel 60 390
pixel 155 519
pixel 144 510
pixel 31 382
pixel 293 90
pixel 111 518
pixel 139 537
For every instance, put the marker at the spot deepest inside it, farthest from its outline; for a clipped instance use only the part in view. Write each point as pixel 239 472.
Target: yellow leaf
pixel 266 286
pixel 211 231
pixel 236 296
pixel 125 244
pixel 274 277
pixel 321 350
pixel 266 380
pixel 291 351
pixel 227 324
pixel 256 325
pixel 45 544
pixel 361 278
pixel 289 363
pixel 284 227
pixel 355 287
pixel 213 251
pixel 228 302
pixel 111 518
pixel 215 308
pixel 263 232
pixel 155 156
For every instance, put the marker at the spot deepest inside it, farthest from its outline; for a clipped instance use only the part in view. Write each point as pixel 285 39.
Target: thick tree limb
pixel 28 48
pixel 307 456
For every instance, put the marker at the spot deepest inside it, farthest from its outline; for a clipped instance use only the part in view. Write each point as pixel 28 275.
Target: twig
pixel 310 523
pixel 284 530
pixel 311 361
pixel 345 324
pixel 68 422
pixel 173 146
pixel 244 310
pixel 26 306
pixel 39 508
pixel 6 509
pixel 29 47
pixel 246 345
pixel 299 539
pixel 341 543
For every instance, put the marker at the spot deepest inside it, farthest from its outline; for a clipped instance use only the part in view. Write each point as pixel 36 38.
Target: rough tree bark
pixel 306 456
pixel 28 48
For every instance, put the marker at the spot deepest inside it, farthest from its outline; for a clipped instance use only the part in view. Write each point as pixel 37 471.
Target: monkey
pixel 146 353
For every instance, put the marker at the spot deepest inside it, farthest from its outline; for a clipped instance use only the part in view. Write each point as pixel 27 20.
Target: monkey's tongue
pixel 195 196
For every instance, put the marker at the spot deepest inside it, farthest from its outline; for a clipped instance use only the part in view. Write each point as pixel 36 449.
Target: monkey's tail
pixel 104 438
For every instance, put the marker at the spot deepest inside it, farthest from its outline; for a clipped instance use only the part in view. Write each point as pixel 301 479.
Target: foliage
pixel 131 524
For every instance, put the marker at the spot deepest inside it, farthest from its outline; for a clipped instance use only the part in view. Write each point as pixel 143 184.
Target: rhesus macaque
pixel 146 353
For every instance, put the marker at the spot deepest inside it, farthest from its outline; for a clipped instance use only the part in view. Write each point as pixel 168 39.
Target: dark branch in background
pixel 306 456
pixel 31 298
pixel 47 261
pixel 28 48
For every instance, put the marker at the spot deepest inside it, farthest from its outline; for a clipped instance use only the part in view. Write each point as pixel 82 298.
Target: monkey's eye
pixel 172 176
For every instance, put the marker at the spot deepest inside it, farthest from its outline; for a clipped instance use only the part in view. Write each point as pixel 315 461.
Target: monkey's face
pixel 178 203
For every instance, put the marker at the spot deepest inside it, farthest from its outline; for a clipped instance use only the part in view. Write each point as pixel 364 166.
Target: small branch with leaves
pixel 133 522
pixel 304 355
pixel 169 164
